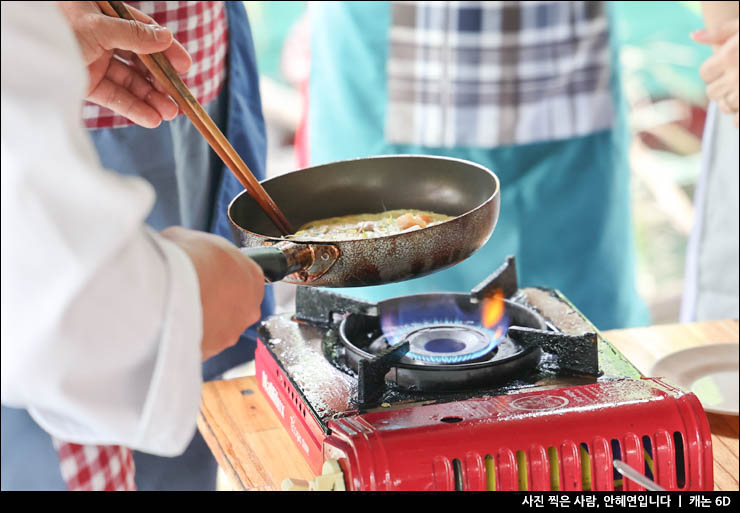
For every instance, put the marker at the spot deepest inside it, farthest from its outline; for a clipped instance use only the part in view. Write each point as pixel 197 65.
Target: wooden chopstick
pixel 159 66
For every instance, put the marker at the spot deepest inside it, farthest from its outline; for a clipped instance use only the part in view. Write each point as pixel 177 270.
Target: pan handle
pixel 308 260
pixel 273 262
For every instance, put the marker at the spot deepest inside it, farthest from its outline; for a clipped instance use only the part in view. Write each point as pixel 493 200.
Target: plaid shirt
pixel 488 74
pixel 201 27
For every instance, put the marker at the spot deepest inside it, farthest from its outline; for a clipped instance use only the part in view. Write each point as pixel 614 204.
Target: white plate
pixel 711 372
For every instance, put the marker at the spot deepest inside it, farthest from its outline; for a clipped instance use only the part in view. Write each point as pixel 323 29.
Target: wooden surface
pixel 246 436
pixel 254 450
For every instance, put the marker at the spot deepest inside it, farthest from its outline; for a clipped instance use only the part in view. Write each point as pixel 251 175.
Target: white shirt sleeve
pixel 101 317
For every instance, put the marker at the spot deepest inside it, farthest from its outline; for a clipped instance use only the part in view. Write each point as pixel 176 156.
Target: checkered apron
pixel 107 468
pixel 201 27
pixel 489 74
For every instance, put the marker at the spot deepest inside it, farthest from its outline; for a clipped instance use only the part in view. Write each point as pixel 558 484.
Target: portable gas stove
pixel 423 393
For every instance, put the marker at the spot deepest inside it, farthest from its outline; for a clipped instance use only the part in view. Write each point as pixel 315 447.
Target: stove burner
pixel 430 355
pixel 449 343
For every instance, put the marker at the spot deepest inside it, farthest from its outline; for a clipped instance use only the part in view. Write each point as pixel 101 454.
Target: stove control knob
pixel 331 479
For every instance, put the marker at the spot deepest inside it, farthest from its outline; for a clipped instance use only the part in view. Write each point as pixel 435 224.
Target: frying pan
pixel 465 190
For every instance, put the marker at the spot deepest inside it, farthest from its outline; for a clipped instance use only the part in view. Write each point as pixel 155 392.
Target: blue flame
pixel 399 320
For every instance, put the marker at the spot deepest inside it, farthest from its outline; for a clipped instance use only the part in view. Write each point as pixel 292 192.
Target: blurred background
pixel 667 108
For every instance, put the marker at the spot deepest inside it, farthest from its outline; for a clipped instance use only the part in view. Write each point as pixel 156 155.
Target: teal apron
pixel 565 205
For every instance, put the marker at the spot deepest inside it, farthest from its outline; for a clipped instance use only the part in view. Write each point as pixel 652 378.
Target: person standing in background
pixel 530 90
pixel 711 287
pixel 192 189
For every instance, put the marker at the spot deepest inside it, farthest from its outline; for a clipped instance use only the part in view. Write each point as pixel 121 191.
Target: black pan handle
pixel 273 262
pixel 310 261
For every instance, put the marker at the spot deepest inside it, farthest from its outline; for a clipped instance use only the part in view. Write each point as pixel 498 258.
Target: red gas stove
pixel 464 392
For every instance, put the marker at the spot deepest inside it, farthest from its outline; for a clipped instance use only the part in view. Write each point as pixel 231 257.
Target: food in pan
pixel 368 226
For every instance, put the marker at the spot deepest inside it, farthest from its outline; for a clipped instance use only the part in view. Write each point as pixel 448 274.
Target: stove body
pixel 551 410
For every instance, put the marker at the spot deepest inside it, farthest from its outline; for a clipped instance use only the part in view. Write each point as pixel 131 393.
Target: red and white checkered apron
pixel 107 468
pixel 201 27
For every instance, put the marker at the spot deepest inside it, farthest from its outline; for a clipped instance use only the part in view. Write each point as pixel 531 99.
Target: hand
pixel 118 79
pixel 231 287
pixel 720 71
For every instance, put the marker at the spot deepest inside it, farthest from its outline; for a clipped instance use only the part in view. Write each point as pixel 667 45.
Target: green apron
pixel 565 205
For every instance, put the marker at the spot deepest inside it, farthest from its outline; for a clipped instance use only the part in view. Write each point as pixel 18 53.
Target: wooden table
pixel 256 453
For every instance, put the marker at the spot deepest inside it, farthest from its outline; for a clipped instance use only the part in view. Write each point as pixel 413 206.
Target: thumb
pixel 702 36
pixel 135 36
pixel 717 36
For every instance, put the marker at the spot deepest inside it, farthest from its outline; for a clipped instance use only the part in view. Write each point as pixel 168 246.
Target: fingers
pixel 725 58
pixel 702 37
pixel 725 31
pixel 128 78
pixel 140 16
pixel 120 100
pixel 123 86
pixel 98 33
pixel 711 69
pixel 725 94
pixel 116 33
pixel 175 52
pixel 725 106
pixel 724 90
pixel 125 91
pixel 254 270
pixel 251 285
pixel 728 52
pixel 178 57
pixel 144 71
pixel 133 60
pixel 720 72
pixel 720 87
pixel 732 100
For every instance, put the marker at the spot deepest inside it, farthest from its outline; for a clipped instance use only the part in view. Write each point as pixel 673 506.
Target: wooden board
pixel 246 436
pixel 256 453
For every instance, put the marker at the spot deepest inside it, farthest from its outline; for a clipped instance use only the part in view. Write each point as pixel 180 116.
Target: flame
pixel 398 319
pixel 492 310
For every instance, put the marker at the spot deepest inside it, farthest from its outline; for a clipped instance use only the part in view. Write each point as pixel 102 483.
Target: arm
pixel 105 322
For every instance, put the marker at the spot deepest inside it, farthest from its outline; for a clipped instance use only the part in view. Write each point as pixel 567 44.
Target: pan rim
pixel 496 192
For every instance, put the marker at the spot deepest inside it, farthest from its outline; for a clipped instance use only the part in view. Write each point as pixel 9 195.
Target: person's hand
pixel 118 79
pixel 231 287
pixel 720 71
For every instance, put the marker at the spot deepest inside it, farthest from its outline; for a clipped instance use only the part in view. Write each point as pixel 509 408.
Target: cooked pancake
pixel 368 226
